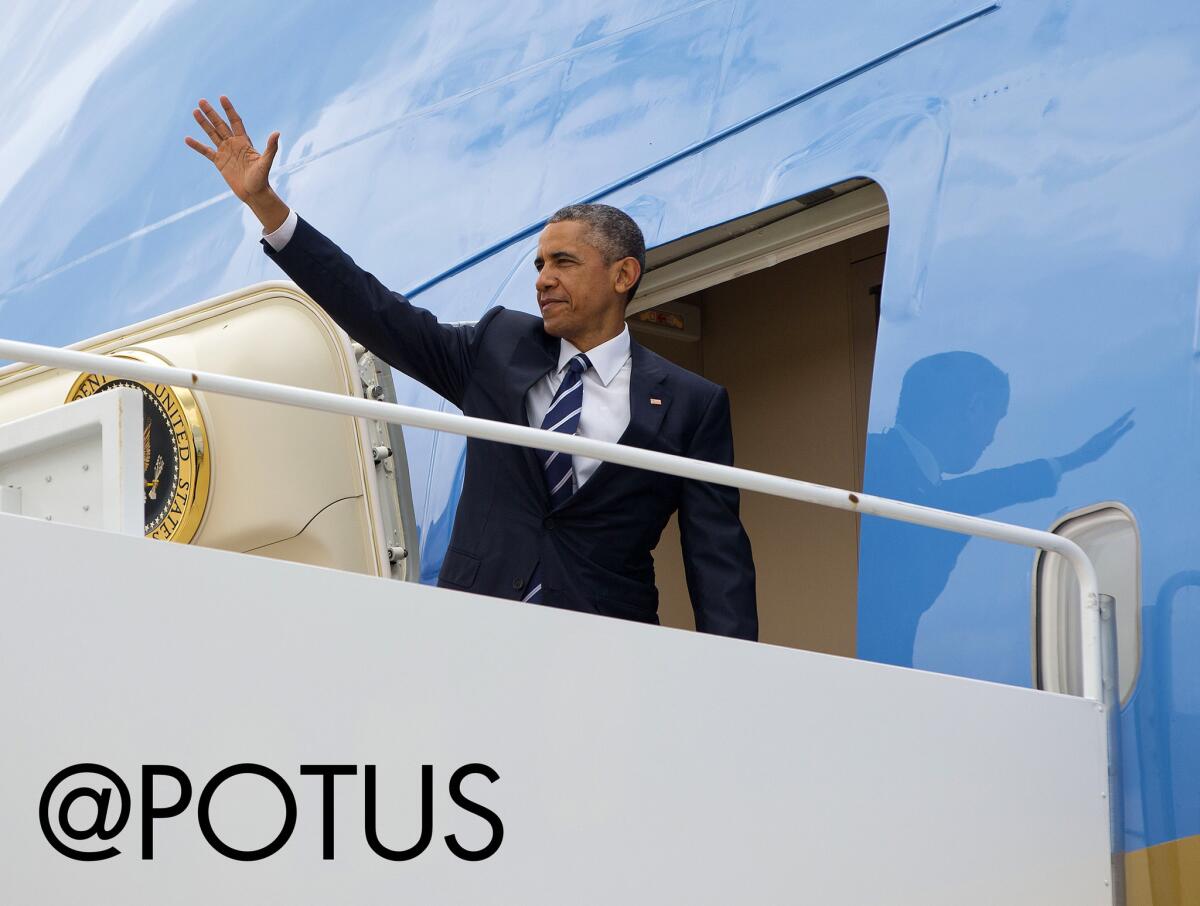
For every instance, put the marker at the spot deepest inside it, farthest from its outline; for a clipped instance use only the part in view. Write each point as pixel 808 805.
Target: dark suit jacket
pixel 594 548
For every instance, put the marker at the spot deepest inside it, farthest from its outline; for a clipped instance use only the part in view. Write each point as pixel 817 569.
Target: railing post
pixel 1112 713
pixel 1090 653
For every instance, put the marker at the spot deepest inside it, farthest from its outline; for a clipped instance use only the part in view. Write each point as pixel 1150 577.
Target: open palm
pixel 243 168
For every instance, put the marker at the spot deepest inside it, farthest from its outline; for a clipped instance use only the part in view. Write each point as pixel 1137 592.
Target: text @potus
pixel 166 793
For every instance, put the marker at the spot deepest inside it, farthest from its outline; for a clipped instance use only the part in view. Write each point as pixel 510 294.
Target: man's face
pixel 578 293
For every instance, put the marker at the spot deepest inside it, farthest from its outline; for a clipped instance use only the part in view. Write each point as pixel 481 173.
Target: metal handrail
pixel 679 466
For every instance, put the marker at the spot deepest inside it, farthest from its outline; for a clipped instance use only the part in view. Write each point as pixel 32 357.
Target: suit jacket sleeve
pixel 716 551
pixel 411 339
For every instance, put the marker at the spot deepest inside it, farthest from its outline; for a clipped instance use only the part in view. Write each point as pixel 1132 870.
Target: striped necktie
pixel 558 468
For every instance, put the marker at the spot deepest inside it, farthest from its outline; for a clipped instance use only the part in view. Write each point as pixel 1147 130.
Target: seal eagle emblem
pixel 175 460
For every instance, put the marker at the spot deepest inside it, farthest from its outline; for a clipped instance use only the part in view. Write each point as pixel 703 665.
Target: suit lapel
pixel 531 360
pixel 649 399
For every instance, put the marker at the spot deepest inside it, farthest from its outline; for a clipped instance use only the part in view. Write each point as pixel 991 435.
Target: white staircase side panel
pixel 636 764
pixel 79 464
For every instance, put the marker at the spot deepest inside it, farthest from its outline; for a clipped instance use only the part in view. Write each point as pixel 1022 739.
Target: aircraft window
pixel 1109 536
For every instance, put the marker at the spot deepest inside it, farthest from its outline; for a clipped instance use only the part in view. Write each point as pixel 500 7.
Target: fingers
pixel 207 127
pixel 1111 434
pixel 272 147
pixel 200 149
pixel 234 120
pixel 1122 424
pixel 219 125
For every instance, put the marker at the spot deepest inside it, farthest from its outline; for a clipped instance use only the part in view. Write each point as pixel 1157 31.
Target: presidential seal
pixel 175 458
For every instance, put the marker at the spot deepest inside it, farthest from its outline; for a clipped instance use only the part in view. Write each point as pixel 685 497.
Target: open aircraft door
pixel 248 476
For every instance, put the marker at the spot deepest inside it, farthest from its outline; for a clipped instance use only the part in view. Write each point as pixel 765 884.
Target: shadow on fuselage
pixel 950 406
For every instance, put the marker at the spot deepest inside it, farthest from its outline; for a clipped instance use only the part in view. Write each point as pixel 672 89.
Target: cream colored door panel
pixel 333 538
pixel 273 468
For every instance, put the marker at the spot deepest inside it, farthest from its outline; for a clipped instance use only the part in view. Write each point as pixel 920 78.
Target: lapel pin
pixel 655 401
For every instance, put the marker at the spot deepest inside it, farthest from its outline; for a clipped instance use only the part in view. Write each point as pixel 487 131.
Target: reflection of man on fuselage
pixel 538 526
pixel 950 406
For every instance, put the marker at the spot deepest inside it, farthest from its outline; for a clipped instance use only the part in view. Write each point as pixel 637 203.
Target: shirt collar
pixel 607 359
pixel 921 454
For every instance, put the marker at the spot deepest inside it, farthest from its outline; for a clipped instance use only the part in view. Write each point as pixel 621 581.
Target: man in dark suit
pixel 533 525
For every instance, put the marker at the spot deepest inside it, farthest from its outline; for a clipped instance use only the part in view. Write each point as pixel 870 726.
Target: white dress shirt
pixel 283 234
pixel 605 413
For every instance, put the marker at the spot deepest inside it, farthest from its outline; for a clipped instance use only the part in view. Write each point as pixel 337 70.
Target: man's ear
pixel 627 273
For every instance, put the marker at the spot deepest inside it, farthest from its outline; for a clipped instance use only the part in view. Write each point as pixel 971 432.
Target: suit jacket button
pixel 548 522
pixel 518 584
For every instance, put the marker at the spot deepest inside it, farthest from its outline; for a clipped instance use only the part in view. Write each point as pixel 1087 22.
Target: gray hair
pixel 612 231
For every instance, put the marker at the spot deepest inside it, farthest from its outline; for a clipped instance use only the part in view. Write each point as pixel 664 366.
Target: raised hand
pixel 244 169
pixel 1099 444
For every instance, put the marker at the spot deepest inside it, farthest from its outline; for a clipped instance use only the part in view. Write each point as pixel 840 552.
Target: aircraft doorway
pixel 794 342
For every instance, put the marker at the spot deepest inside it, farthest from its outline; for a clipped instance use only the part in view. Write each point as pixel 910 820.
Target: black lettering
pixel 475 855
pixel 98 826
pixel 150 811
pixel 327 772
pixel 289 816
pixel 401 855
